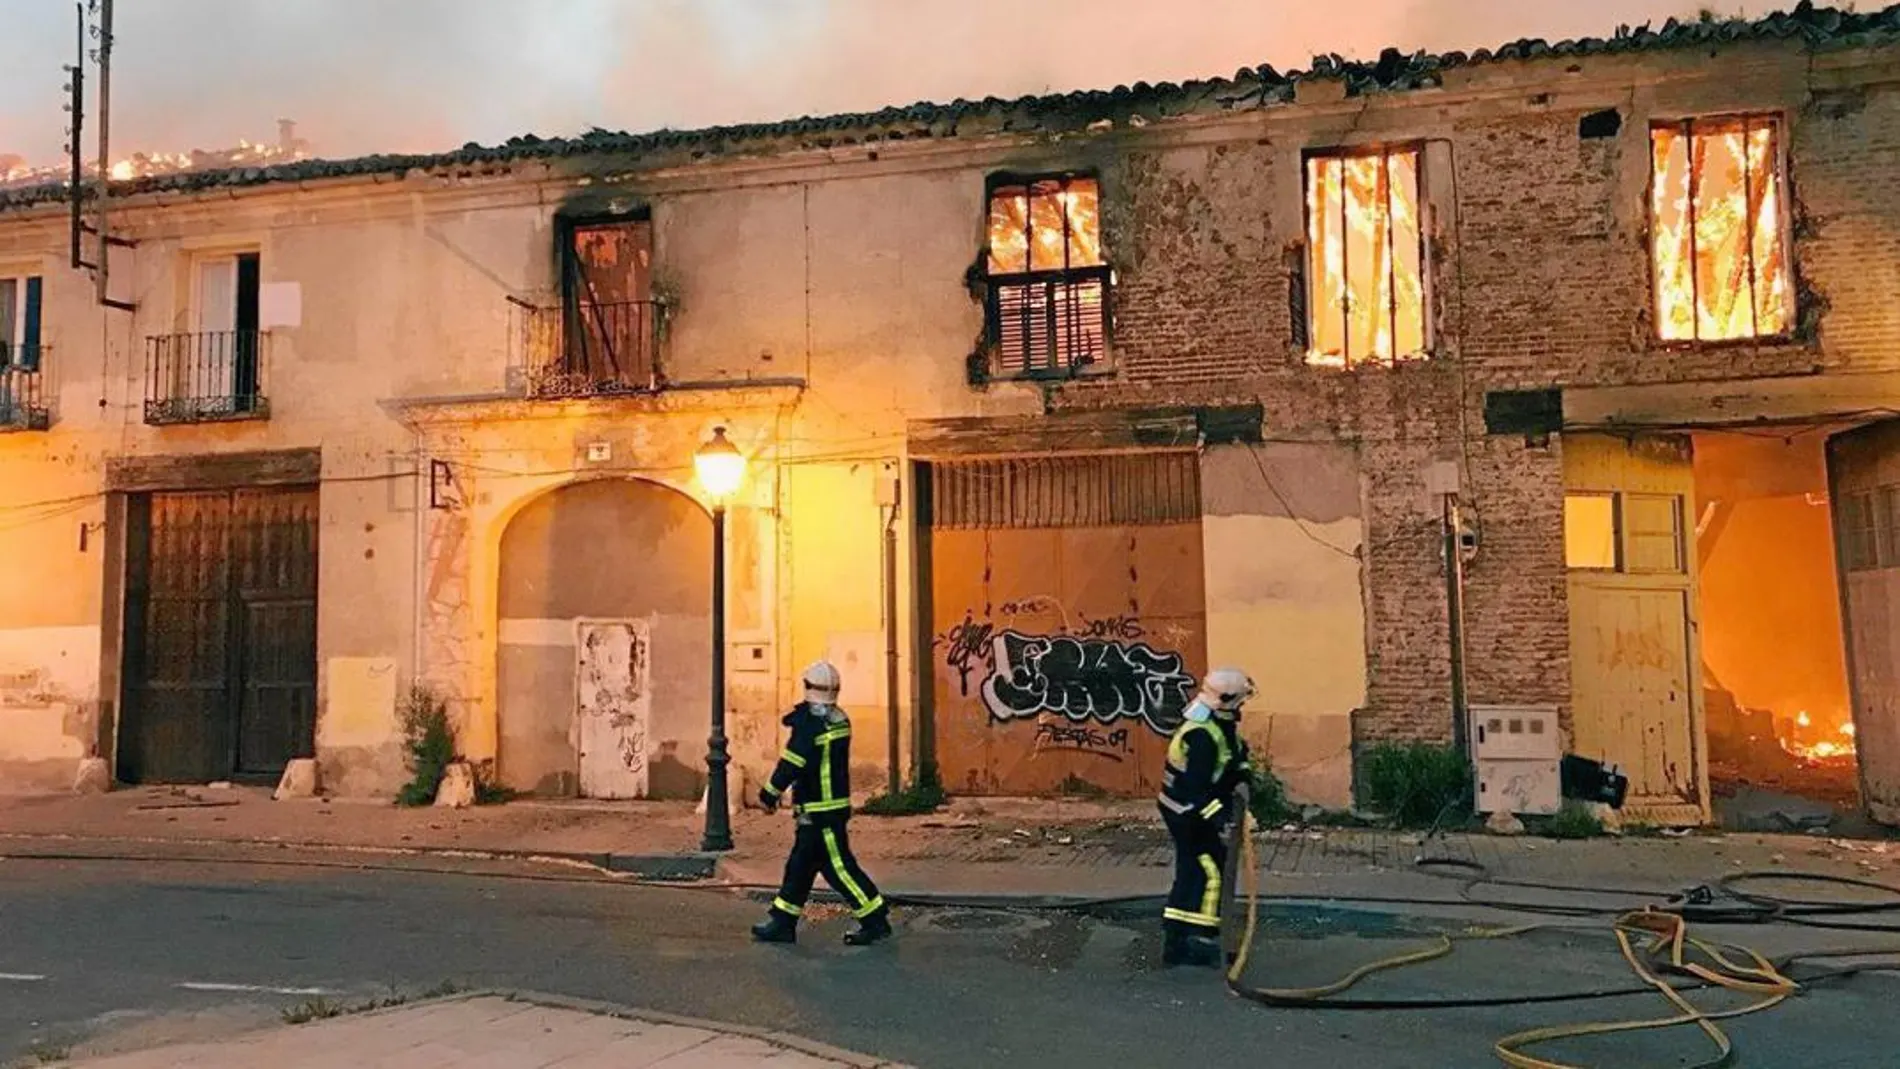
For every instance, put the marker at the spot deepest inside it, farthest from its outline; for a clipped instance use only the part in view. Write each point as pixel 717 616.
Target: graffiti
pixel 1082 738
pixel 1032 605
pixel 965 644
pixel 1114 628
pixel 1084 680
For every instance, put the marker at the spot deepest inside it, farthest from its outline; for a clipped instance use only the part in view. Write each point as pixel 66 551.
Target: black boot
pixel 776 928
pixel 873 929
pixel 1181 945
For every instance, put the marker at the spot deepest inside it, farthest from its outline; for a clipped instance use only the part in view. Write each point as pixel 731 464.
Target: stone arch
pixel 580 555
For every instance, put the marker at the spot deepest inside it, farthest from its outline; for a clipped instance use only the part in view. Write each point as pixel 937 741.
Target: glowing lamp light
pixel 720 466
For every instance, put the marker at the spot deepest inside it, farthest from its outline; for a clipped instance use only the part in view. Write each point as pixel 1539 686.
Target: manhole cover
pixel 970 920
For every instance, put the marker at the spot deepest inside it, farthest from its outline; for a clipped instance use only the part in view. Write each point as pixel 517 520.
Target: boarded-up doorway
pixel 615 707
pixel 1864 476
pixel 1068 617
pixel 1634 677
pixel 221 635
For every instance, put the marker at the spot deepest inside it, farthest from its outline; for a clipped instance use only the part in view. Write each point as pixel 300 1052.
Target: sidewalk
pixel 1055 847
pixel 498 1031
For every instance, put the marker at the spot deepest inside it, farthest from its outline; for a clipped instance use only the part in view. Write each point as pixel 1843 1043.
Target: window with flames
pixel 1047 310
pixel 1718 232
pixel 1365 260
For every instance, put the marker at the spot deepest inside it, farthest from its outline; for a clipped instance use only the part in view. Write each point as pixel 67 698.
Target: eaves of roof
pixel 1815 27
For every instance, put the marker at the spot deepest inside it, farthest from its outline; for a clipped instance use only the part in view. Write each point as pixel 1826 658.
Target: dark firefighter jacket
pixel 1206 761
pixel 815 765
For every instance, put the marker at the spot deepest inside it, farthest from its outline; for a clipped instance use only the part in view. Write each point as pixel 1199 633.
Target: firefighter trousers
pixel 826 849
pixel 1200 856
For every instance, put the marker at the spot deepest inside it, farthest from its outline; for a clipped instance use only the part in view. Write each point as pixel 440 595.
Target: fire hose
pixel 1653 942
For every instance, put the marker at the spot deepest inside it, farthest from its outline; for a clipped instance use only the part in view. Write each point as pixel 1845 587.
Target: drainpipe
pixel 890 487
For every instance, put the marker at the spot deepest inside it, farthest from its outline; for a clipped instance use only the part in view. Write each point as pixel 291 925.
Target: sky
pixel 364 76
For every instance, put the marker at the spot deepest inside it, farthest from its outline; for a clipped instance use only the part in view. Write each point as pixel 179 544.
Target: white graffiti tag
pixel 1085 679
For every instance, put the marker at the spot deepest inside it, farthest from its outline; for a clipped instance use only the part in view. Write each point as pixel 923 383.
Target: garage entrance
pixel 1068 619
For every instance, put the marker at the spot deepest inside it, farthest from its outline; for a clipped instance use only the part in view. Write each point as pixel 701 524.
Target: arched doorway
pixel 605 642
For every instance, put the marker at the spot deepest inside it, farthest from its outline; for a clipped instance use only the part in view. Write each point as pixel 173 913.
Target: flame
pixel 1718 247
pixel 14 172
pixel 1364 257
pixel 1028 225
pixel 1800 742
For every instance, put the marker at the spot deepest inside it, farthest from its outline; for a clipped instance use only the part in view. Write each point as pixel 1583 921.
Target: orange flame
pixel 1840 743
pixel 1717 242
pixel 1364 257
pixel 153 164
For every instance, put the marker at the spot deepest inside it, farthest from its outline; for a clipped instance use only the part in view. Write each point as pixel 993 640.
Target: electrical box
pixel 1515 732
pixel 1519 757
pixel 1533 788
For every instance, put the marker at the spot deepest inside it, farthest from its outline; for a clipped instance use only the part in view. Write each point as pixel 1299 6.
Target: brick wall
pixel 1541 278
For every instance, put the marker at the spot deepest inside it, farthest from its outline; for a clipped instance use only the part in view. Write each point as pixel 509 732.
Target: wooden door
pixel 1864 477
pixel 1635 687
pixel 1069 620
pixel 612 335
pixel 220 649
pixel 614 708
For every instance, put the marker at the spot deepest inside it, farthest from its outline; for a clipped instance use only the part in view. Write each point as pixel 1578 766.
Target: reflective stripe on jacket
pixel 815 765
pixel 1204 766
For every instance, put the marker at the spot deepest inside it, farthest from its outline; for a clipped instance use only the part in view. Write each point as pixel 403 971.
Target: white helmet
pixel 1226 689
pixel 822 683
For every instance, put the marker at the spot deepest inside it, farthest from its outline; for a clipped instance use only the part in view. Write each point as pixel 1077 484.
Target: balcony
pixel 593 349
pixel 22 403
pixel 209 377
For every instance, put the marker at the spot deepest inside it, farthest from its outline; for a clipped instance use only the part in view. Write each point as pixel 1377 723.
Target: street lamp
pixel 720 468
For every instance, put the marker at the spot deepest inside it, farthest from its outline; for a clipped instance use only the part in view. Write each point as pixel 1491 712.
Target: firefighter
pixel 816 767
pixel 1207 761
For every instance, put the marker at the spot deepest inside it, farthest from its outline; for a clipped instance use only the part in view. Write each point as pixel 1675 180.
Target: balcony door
pixel 222 367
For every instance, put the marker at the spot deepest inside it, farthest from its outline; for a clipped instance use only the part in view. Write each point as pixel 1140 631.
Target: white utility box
pixel 1519 759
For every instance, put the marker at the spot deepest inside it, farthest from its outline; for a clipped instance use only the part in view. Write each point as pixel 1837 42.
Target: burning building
pixel 1047 406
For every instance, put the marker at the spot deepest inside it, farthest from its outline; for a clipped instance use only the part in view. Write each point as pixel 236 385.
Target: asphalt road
pixel 160 949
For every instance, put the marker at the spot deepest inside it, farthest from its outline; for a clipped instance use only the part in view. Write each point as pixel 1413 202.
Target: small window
pixel 1718 234
pixel 1365 258
pixel 1652 525
pixel 1048 279
pixel 20 299
pixel 1590 532
pixel 1860 538
pixel 1870 529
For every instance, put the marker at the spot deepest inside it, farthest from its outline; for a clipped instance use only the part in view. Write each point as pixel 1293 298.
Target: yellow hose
pixel 1668 940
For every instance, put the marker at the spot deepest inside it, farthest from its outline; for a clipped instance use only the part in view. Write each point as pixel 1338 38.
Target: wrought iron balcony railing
pixel 207 377
pixel 22 397
pixel 594 349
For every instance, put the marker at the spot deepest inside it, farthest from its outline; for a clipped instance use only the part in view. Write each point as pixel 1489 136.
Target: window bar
pixel 1345 263
pixel 1391 281
pixel 1692 142
pixel 1748 205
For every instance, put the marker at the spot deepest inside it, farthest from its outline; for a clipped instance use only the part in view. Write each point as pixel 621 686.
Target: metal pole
pixel 105 159
pixel 895 781
pixel 1455 606
pixel 76 150
pixel 718 812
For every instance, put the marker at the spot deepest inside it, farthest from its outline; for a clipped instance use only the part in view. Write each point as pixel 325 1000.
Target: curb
pixel 675 868
pixel 592 1007
pixel 626 1013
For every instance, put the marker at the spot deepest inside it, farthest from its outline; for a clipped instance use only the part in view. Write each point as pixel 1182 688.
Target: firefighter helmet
pixel 822 683
pixel 1226 689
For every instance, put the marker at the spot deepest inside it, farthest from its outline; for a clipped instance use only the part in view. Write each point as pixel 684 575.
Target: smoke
pixel 365 76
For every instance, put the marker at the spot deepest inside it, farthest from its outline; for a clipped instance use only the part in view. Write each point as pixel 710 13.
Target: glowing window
pixel 1365 258
pixel 1718 238
pixel 1048 281
pixel 1590 532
